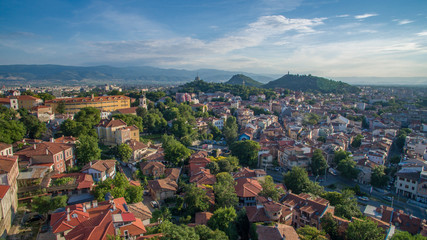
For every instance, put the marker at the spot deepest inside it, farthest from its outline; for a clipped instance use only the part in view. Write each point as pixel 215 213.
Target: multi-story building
pixel 114 132
pixel 100 169
pixel 103 103
pixel 58 155
pixel 8 191
pixel 307 211
pixel 24 101
pixel 247 190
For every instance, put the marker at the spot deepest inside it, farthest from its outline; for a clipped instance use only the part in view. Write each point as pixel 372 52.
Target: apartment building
pixel 103 103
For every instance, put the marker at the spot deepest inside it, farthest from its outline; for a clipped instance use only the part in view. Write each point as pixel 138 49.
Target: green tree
pixel 205 233
pixel 347 168
pixel 118 187
pixel 134 194
pixel 124 152
pixel 318 163
pixel 364 230
pixel 246 151
pixel 161 215
pixel 174 232
pixel 89 116
pixel 378 177
pixel 269 189
pixel 35 128
pixel 310 233
pixel 340 155
pixel 155 96
pixel 174 151
pixel 154 123
pixel 297 180
pixel 45 96
pixel 230 130
pixel 213 167
pixel 348 207
pixel 196 199
pixel 357 141
pixel 87 149
pixel 225 193
pixel 11 131
pixel 217 135
pixel 330 226
pixel 395 159
pixel 222 218
pixel 60 108
pixel 44 204
pixel 403 235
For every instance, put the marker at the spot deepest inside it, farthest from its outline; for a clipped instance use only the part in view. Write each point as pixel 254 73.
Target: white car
pixel 363 199
pixel 154 204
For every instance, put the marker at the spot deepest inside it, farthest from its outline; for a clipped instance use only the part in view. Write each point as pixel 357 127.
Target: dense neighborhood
pixel 212 161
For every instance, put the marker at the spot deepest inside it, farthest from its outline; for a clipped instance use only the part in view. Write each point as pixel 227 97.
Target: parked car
pixel 387 198
pixel 277 169
pixel 332 171
pixel 154 204
pixel 365 199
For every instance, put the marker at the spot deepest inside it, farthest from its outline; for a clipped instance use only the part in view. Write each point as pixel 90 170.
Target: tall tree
pixel 175 152
pixel 318 163
pixel 403 235
pixel 205 233
pixel 225 193
pixel 230 130
pixel 196 199
pixel 44 204
pixel 347 207
pixel 378 177
pixel 330 226
pixel 340 155
pixel 246 151
pixel 364 230
pixel 347 168
pixel 35 128
pixel 269 189
pixel 222 218
pixel 124 152
pixel 87 149
pixel 11 131
pixel 297 180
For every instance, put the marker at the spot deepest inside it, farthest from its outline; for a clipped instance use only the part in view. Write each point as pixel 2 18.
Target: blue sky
pixel 332 38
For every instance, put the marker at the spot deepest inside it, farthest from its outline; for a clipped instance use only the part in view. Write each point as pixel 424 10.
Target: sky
pixel 331 38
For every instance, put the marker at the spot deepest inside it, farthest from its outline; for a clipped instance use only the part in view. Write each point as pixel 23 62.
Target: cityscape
pixel 216 120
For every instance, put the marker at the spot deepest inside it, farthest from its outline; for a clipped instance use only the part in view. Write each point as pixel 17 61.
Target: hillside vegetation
pixel 239 78
pixel 311 84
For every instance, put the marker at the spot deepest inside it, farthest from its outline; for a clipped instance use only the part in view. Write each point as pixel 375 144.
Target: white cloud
pixel 404 21
pixel 422 34
pixel 343 15
pixel 366 15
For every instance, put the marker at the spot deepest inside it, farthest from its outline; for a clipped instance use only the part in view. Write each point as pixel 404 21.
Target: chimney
pixel 94 204
pixel 84 207
pixel 90 163
pixel 34 147
pixel 52 139
pixel 47 151
pixel 68 214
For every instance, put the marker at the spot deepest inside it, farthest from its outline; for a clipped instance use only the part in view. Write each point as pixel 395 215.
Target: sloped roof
pixel 162 184
pixel 247 187
pixel 43 148
pixel 140 211
pixel 3 190
pixel 278 232
pixel 100 165
pixel 6 163
pixel 95 228
pixel 202 218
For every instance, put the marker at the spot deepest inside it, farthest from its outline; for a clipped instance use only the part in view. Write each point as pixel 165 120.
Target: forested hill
pixel 238 79
pixel 311 83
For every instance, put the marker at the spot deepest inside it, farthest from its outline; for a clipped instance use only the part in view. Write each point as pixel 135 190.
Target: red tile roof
pixel 89 99
pixel 3 190
pixel 100 165
pixel 83 180
pixel 247 187
pixel 97 228
pixel 59 220
pixel 6 163
pixel 43 148
pixel 202 218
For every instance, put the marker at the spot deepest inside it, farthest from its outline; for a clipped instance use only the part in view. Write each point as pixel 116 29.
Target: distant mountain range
pixel 239 79
pixel 76 75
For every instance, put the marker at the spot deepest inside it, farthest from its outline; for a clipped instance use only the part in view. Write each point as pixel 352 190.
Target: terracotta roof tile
pixel 3 190
pixel 247 187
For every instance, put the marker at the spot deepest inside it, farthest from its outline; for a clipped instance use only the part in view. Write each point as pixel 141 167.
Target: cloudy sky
pixel 333 38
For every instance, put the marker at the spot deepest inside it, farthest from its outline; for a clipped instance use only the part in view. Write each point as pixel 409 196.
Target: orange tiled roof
pixel 247 187
pixel 3 190
pixel 100 165
pixel 6 163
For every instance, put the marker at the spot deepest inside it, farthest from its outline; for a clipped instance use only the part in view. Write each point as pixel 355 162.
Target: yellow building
pixel 24 101
pixel 103 103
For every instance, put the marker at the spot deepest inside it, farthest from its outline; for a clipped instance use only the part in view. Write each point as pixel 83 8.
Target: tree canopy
pixel 87 149
pixel 175 152
pixel 119 187
pixel 364 230
pixel 222 218
pixel 196 199
pixel 297 180
pixel 318 163
pixel 44 204
pixel 225 193
pixel 269 189
pixel 310 233
pixel 247 152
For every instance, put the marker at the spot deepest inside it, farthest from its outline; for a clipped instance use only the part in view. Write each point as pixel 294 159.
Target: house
pixel 115 132
pixel 204 177
pixel 141 211
pixel 196 163
pixel 400 219
pixel 267 211
pixel 71 184
pixel 258 174
pixel 139 150
pixel 276 232
pixel 366 167
pixel 6 149
pixel 202 218
pixel 161 189
pixel 8 192
pixel 103 103
pixel 247 190
pixel 43 113
pixel 100 169
pixel 93 220
pixel 152 169
pixel 305 210
pixel 60 155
